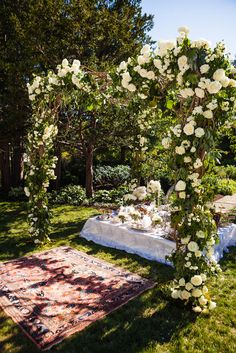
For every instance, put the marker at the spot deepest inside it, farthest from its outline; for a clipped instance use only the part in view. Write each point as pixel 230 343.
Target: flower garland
pixel 69 85
pixel 198 86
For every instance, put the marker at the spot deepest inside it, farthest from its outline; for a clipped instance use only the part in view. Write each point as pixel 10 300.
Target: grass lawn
pixel 150 323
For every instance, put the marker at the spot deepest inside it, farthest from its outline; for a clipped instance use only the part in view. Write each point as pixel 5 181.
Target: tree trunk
pixel 17 165
pixel 89 171
pixel 5 167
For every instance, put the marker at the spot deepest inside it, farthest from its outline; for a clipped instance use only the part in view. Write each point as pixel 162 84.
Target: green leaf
pixel 90 107
pixel 169 104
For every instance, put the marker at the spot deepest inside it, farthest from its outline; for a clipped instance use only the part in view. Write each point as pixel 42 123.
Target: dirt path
pixel 225 204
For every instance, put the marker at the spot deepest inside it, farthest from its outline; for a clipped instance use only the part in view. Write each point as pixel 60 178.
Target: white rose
pixel 184 30
pixel 197 110
pixel 199 92
pixel 76 63
pixel 182 195
pixel 198 253
pixel 204 289
pixel 164 46
pixel 150 75
pixel 204 277
pixel 219 75
pixel 182 61
pixel 124 83
pixel 180 150
pixel 214 87
pixel 180 78
pixel 197 309
pixel 196 280
pixel 204 68
pixel 189 286
pixel 208 114
pixel 143 72
pixel 202 300
pixel 225 82
pixel 131 87
pixel 126 77
pixel 212 305
pixel 189 129
pixel 200 234
pixel 193 149
pixel 232 83
pixel 180 186
pixel 182 282
pixel 186 92
pixel 185 240
pixel 175 294
pixel 196 292
pixel 166 142
pixel 65 62
pixel 198 163
pixel 146 49
pixel 187 159
pixel 201 43
pixel 154 186
pixel 185 143
pixel 32 97
pixel 141 60
pixel 192 246
pixel 27 192
pixel 157 63
pixel 199 132
pixel 185 295
pixel 122 66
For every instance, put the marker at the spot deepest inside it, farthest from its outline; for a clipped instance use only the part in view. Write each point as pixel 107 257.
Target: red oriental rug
pixel 55 293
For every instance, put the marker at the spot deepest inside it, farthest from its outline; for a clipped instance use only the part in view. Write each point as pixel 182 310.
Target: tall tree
pixel 37 34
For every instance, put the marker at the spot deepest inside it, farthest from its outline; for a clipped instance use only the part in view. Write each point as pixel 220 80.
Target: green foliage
pixel 225 186
pixel 218 186
pixel 108 176
pixel 36 35
pixel 70 195
pixel 114 196
pixel 16 193
pixel 228 171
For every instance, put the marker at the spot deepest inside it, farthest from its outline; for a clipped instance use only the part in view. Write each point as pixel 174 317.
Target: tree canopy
pixel 37 34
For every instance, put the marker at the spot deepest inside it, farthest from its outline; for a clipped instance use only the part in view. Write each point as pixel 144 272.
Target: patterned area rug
pixel 55 293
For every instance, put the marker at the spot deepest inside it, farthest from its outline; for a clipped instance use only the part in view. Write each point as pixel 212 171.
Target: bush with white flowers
pixel 198 86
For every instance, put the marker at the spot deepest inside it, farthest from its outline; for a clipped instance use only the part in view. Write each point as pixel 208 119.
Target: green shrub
pixel 16 194
pixel 110 196
pixel 226 187
pixel 70 194
pixel 108 177
pixel 228 171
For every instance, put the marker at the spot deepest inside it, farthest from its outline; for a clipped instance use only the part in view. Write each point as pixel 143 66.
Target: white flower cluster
pixel 196 289
pixel 65 71
pixel 140 193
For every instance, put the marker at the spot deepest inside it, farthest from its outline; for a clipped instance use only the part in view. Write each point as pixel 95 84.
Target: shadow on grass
pixel 144 320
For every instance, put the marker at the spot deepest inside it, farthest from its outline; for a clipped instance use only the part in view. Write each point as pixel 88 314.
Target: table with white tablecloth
pixel 150 245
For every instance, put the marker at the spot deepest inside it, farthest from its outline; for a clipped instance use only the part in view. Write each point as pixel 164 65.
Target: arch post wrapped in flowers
pixel 196 85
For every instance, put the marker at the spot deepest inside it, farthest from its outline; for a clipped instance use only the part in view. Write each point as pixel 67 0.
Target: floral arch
pixel 197 86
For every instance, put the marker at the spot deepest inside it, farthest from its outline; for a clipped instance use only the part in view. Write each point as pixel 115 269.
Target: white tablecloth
pixel 148 245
